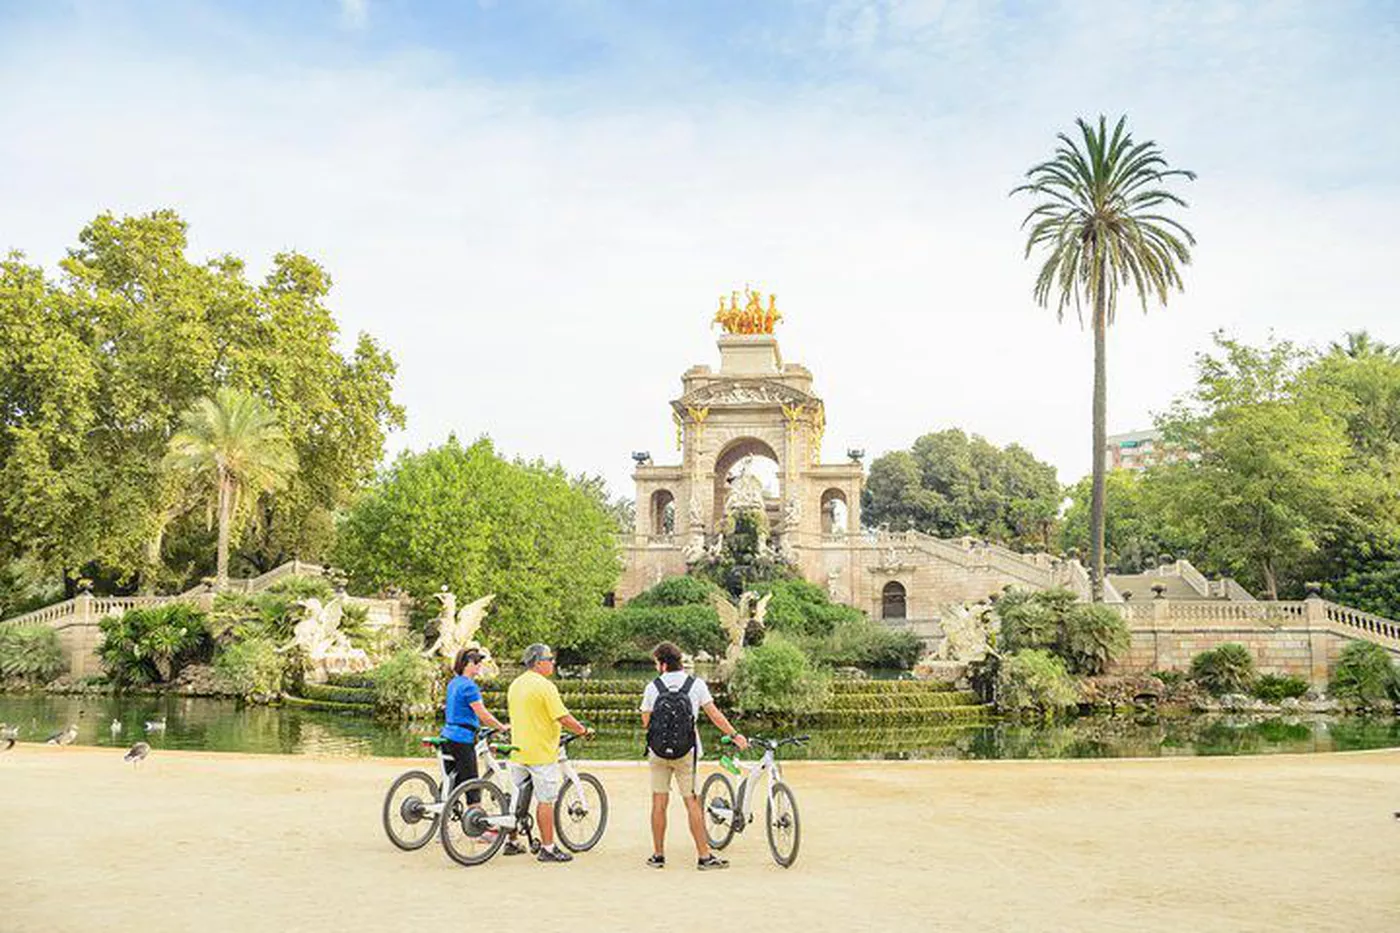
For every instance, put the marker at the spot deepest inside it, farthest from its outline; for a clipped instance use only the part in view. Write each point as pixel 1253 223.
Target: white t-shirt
pixel 699 696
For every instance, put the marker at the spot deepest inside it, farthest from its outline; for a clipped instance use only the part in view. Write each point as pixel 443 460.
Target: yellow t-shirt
pixel 535 708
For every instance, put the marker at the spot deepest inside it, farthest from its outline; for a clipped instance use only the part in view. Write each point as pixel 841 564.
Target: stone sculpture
pixel 745 490
pixel 326 648
pixel 457 630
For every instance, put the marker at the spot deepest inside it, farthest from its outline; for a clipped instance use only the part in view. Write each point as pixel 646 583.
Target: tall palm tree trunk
pixel 225 521
pixel 1096 508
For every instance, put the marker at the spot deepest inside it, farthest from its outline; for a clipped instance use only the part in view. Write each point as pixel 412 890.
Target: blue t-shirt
pixel 462 721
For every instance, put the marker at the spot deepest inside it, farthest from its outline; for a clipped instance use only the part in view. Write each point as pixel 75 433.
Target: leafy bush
pixel 776 677
pixel 1226 669
pixel 405 684
pixel 1374 588
pixel 143 646
pixel 1085 636
pixel 1034 680
pixel 862 643
pixel 676 591
pixel 1170 678
pixel 628 634
pixel 252 668
pixel 1274 687
pixel 30 653
pixel 1365 675
pixel 24 585
pixel 302 587
pixel 802 608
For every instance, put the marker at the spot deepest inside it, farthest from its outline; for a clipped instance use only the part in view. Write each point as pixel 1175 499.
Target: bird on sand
pixel 8 731
pixel 66 737
pixel 116 727
pixel 6 744
pixel 137 752
pixel 155 725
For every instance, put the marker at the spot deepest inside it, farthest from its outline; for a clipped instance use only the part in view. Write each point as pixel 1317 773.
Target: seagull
pixel 155 725
pixel 65 737
pixel 137 752
pixel 9 744
pixel 116 727
pixel 8 731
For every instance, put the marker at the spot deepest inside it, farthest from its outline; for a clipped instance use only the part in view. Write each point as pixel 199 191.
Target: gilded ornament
pixel 749 318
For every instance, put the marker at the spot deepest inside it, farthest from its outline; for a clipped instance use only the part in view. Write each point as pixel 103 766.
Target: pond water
pixel 222 725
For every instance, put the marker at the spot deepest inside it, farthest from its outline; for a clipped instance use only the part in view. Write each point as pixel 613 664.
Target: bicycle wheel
pixel 466 835
pixel 581 816
pixel 720 810
pixel 407 820
pixel 784 828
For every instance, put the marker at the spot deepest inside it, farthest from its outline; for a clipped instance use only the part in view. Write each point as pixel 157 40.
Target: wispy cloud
pixel 354 13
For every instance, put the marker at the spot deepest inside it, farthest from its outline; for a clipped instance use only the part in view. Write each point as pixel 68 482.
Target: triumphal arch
pixel 756 406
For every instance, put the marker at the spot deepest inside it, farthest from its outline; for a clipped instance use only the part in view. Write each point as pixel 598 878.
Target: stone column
pixel 1315 614
pixel 1161 615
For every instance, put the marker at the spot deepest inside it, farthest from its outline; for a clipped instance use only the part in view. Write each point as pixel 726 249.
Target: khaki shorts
pixel 664 770
pixel 544 778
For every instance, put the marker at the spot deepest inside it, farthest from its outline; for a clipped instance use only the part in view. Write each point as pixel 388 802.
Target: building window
pixel 892 603
pixel 663 512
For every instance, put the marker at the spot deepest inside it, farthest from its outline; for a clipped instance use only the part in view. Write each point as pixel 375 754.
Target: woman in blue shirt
pixel 465 714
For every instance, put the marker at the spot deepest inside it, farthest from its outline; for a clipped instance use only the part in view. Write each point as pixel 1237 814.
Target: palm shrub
pixel 1093 635
pixel 1034 681
pixel 405 684
pixel 1365 675
pixel 1274 687
pixel 251 668
pixel 145 646
pixel 777 677
pixel 30 654
pixel 1228 668
pixel 1086 637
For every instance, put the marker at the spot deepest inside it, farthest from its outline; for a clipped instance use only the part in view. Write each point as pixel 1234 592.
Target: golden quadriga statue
pixel 750 318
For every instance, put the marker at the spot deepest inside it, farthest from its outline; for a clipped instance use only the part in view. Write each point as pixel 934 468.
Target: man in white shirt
pixel 673 748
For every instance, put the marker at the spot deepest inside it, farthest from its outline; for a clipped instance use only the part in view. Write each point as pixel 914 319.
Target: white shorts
pixel 545 779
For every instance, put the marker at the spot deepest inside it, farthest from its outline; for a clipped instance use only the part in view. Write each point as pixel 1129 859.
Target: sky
pixel 536 205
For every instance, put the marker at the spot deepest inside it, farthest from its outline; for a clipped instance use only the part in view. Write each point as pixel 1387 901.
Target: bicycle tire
pixel 493 803
pixel 403 809
pixel 783 822
pixel 561 814
pixel 718 788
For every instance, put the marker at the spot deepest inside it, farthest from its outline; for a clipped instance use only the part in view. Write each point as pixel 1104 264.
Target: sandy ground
pixel 216 842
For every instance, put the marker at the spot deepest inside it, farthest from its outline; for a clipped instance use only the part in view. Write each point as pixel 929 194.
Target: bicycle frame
pixel 520 793
pixel 754 772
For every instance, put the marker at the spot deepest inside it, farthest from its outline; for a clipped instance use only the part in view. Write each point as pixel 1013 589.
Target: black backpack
pixel 671 729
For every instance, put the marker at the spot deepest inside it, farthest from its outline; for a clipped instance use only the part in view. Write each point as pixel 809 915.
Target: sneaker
pixel 554 855
pixel 656 861
pixel 711 862
pixel 513 848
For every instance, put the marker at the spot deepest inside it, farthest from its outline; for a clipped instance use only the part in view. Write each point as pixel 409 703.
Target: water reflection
pixel 220 725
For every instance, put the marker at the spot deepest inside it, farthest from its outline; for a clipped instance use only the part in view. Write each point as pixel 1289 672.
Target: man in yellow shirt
pixel 536 713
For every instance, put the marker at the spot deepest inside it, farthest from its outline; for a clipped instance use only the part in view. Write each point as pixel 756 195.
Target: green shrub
pixel 862 643
pixel 144 646
pixel 251 668
pixel 405 684
pixel 676 591
pixel 1086 637
pixel 1226 669
pixel 1171 678
pixel 302 587
pixel 607 636
pixel 1365 675
pixel 801 608
pixel 1035 681
pixel 776 677
pixel 30 654
pixel 1374 588
pixel 1274 687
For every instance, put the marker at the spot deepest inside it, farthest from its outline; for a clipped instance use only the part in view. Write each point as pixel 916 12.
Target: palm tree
pixel 233 441
pixel 1100 226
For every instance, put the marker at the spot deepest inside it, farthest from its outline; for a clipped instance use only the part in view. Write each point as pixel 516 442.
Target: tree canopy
pixel 98 364
pixel 467 519
pixel 949 485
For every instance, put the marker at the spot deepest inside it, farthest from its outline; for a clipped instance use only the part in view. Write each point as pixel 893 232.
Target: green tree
pixel 468 519
pixel 232 443
pixel 1100 226
pixel 97 367
pixel 949 484
pixel 1136 531
pixel 1269 476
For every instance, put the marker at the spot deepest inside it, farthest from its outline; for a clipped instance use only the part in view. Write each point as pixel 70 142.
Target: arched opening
pixel 738 455
pixel 892 603
pixel 834 512
pixel 663 512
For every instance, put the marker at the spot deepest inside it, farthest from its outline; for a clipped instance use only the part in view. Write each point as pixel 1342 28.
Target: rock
pixel 1290 705
pixel 947 672
pixel 1239 703
pixel 1321 705
pixel 703 657
pixel 850 673
pixel 1120 691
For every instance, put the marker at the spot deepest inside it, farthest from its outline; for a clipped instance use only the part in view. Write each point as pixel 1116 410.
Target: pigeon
pixel 9 744
pixel 66 737
pixel 137 752
pixel 155 725
pixel 116 727
pixel 8 731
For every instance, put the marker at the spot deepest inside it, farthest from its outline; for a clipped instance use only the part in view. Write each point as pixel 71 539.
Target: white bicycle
pixel 476 829
pixel 414 804
pixel 727 813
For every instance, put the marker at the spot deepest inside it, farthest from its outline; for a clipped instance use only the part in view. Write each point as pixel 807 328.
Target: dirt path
pixel 219 842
